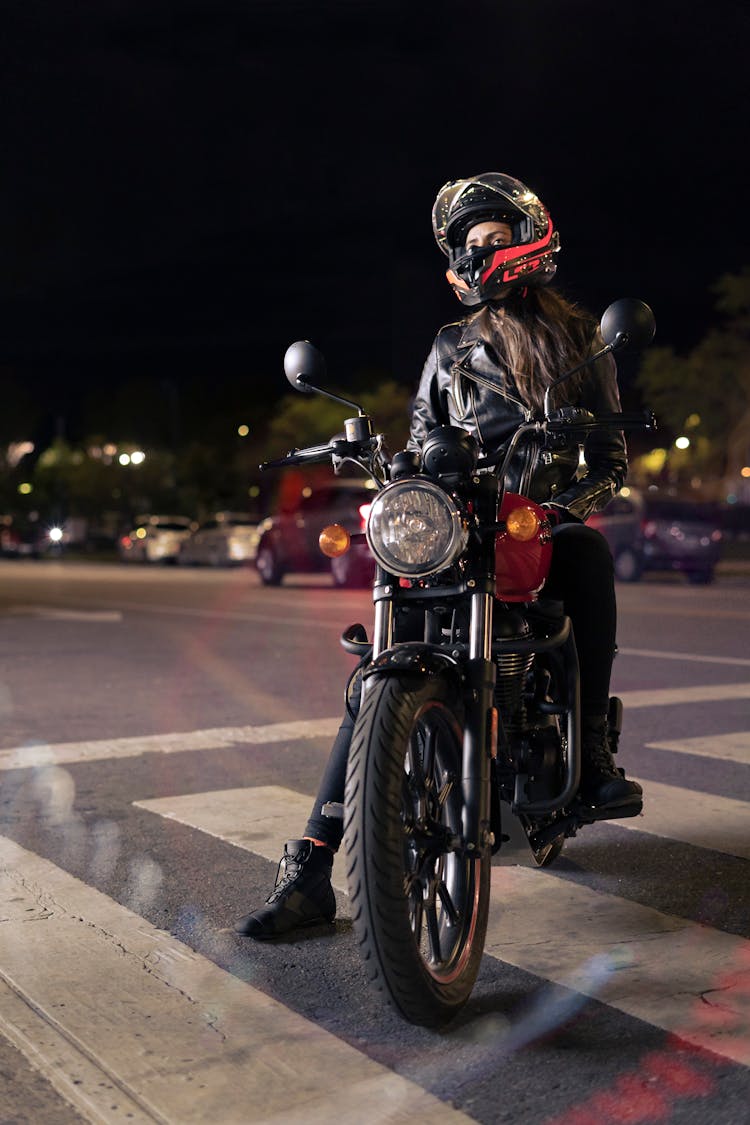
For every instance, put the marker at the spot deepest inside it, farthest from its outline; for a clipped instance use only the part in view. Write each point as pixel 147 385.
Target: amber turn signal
pixel 522 524
pixel 334 540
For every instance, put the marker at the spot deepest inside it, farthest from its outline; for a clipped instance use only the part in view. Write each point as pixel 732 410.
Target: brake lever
pixel 300 457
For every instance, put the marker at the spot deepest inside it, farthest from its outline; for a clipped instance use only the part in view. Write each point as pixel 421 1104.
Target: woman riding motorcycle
pixel 488 373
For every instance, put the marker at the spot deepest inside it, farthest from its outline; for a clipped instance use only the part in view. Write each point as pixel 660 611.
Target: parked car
pixel 19 538
pixel 289 539
pixel 154 539
pixel 226 539
pixel 650 531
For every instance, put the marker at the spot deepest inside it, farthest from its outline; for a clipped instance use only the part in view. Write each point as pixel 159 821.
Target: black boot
pixel 302 896
pixel 603 785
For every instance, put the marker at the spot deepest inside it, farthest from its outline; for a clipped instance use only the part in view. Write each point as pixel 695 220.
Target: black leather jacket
pixel 463 384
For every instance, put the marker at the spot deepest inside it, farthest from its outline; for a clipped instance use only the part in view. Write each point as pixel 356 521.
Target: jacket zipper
pixel 491 386
pixel 527 470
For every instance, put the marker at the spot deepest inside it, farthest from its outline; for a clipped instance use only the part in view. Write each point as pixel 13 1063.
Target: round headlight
pixel 414 529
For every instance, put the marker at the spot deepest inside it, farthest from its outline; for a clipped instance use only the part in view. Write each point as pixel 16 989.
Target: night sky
pixel 190 185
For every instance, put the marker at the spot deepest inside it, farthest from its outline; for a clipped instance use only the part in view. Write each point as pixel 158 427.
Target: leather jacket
pixel 463 384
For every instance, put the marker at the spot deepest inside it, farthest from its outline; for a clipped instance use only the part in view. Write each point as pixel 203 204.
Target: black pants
pixel 582 578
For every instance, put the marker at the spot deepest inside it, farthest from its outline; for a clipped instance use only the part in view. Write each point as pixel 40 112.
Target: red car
pixel 289 540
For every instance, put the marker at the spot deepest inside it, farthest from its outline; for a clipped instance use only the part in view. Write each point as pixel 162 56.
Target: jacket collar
pixel 478 357
pixel 470 335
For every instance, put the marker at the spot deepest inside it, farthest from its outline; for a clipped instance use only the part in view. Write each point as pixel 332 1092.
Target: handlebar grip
pixel 629 419
pixel 299 457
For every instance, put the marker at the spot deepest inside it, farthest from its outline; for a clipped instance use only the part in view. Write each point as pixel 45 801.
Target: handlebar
pixel 301 456
pixel 338 448
pixel 626 420
pixel 571 420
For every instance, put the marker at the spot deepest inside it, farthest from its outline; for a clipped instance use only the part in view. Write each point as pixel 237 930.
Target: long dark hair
pixel 537 336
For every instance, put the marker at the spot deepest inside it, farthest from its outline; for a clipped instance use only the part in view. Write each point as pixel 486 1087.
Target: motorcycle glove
pixel 557 514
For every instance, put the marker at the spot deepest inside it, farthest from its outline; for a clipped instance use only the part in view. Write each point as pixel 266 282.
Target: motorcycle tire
pixel 419 907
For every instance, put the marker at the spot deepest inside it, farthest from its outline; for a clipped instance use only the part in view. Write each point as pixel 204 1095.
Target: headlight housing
pixel 414 529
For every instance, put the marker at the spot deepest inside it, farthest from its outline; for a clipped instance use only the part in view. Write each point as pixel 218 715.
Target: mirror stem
pixel 329 394
pixel 620 340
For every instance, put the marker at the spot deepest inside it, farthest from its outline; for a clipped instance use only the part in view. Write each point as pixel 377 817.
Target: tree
pixel 711 384
pixel 308 419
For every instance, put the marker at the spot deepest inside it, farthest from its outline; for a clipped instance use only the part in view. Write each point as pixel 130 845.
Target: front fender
pixel 413 658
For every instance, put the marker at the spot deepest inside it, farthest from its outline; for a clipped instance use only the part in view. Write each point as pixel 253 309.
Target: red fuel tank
pixel 522 564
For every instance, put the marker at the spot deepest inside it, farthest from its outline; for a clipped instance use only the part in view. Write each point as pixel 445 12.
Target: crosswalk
pixel 544 924
pixel 150 1030
pixel 63 753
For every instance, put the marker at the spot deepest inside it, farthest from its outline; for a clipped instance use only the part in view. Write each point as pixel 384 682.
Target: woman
pixel 487 373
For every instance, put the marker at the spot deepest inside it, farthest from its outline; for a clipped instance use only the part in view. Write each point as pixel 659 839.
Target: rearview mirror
pixel 304 365
pixel 628 321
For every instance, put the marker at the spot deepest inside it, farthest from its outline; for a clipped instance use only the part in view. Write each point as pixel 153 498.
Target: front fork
pixel 480 726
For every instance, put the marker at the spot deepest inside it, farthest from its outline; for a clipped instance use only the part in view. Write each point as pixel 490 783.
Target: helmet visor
pixel 462 203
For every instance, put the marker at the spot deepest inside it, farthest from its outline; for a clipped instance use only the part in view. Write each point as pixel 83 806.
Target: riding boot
pixel 603 785
pixel 302 895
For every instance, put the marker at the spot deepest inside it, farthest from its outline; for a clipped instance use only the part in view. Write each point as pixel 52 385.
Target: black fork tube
pixel 382 637
pixel 477 742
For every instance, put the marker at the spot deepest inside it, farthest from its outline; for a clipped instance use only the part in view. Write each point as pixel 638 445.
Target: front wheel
pixel 420 904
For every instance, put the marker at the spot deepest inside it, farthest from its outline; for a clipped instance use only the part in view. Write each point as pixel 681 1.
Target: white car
pixel 226 539
pixel 154 539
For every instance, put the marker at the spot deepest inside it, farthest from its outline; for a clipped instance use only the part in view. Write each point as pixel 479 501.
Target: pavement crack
pixel 42 906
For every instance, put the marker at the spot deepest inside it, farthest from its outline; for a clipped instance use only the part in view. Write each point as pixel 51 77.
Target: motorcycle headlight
pixel 415 529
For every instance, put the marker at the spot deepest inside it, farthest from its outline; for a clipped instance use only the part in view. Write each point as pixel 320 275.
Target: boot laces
pixel 597 754
pixel 289 870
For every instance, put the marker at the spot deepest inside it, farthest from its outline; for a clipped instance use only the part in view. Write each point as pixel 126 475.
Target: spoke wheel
pixel 420 904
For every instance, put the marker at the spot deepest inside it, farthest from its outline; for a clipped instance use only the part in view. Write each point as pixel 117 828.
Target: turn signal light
pixel 522 524
pixel 334 540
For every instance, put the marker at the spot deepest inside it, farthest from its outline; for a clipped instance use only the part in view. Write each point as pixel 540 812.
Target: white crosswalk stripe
pixel 654 966
pixel 719 824
pixel 732 747
pixel 214 738
pixel 176 742
pixel 150 1031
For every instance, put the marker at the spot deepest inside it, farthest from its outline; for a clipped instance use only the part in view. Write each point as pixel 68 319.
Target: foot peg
pixel 589 814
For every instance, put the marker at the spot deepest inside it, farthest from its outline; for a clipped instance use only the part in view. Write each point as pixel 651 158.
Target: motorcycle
pixel 469 685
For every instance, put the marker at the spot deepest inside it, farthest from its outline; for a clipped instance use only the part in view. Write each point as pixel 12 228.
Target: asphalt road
pixel 162 734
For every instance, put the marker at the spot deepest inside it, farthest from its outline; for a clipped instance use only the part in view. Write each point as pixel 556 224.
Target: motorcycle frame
pixel 476 671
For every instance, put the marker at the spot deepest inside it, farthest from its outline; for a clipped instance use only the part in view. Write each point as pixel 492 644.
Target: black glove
pixel 556 515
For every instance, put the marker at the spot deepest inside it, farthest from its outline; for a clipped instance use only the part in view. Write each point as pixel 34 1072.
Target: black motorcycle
pixel 470 686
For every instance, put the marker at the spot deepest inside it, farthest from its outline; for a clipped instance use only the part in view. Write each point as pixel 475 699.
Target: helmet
pixel 478 275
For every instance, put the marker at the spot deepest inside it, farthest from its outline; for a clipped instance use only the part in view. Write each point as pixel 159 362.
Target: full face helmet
pixel 482 274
